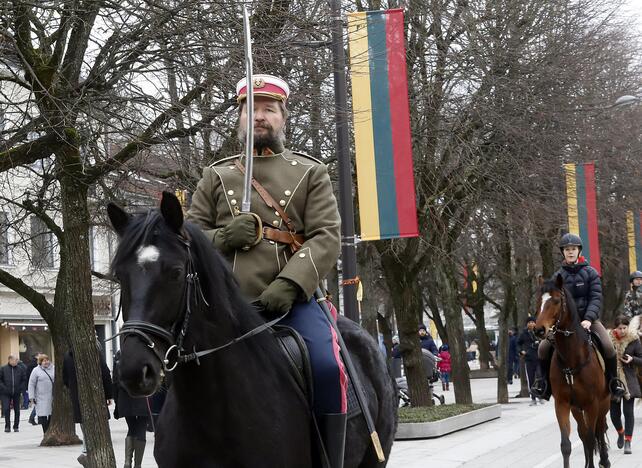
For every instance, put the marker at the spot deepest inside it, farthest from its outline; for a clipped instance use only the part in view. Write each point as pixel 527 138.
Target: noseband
pixel 175 353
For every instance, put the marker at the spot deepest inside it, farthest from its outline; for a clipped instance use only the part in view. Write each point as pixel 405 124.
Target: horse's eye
pixel 176 273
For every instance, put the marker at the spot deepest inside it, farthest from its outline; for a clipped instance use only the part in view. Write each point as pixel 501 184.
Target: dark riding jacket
pixel 583 282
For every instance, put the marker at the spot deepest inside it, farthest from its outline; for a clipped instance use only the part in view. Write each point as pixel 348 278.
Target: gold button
pixel 275 222
pixel 294 163
pixel 272 242
pixel 230 192
pixel 288 193
pixel 230 167
pixel 276 213
pixel 282 202
pixel 233 202
pixel 302 255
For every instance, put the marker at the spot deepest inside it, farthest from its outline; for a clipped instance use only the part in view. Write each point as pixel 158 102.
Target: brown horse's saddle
pixel 296 353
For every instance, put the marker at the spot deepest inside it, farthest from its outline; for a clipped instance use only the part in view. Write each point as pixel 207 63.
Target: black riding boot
pixel 616 386
pixel 129 451
pixel 333 432
pixel 541 388
pixel 139 451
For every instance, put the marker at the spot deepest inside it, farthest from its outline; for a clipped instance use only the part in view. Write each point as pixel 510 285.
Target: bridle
pixel 175 336
pixel 568 372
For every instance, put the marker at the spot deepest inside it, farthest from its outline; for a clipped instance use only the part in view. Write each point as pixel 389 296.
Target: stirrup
pixel 616 387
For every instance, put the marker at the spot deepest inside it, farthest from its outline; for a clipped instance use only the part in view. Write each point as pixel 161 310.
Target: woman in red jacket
pixel 444 367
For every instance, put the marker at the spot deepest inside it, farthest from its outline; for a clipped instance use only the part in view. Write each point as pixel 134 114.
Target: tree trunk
pixel 454 327
pixel 523 380
pixel 79 313
pixel 484 343
pixel 407 304
pixel 546 253
pixel 502 361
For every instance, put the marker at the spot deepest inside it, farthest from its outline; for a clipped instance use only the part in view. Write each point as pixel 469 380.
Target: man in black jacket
pixel 13 381
pixel 528 344
pixel 583 283
pixel 426 340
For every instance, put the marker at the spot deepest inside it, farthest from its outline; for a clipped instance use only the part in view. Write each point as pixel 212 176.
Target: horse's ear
pixel 118 217
pixel 172 211
pixel 559 281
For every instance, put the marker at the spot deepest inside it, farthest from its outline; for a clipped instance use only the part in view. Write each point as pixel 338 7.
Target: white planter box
pixel 428 430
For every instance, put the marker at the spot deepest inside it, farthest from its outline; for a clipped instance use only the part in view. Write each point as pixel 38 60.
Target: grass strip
pixel 435 413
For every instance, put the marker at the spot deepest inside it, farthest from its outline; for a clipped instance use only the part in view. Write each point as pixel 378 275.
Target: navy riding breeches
pixel 328 372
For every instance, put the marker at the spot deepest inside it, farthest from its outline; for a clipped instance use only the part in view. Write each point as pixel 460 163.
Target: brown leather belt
pixel 283 237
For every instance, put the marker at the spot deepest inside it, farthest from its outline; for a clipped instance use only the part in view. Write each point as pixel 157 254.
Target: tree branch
pixel 29 152
pixel 20 287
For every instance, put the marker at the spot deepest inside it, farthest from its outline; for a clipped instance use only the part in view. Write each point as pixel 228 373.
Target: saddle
pixel 296 353
pixel 599 351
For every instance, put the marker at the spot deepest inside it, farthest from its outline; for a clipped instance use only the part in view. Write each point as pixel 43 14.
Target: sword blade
pixel 249 110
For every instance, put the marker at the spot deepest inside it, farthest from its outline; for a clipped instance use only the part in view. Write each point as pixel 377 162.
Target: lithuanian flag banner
pixel 381 116
pixel 582 209
pixel 634 234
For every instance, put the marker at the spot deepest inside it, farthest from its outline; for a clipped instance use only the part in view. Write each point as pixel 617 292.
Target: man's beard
pixel 275 140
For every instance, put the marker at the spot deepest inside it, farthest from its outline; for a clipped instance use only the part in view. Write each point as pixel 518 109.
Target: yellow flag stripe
pixel 630 234
pixel 363 133
pixel 571 198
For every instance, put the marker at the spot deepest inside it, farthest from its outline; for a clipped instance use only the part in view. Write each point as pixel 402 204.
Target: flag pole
pixel 346 209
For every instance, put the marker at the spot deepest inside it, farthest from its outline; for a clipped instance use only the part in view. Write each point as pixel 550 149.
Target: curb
pixel 433 429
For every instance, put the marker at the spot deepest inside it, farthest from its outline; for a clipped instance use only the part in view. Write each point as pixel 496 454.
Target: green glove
pixel 279 297
pixel 244 231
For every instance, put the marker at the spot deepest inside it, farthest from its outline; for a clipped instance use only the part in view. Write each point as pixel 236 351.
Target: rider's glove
pixel 243 232
pixel 279 297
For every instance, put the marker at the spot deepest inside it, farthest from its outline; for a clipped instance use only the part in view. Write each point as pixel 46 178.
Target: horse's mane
pixel 550 286
pixel 219 286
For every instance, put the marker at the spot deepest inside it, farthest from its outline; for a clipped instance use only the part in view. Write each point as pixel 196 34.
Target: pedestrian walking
pixel 633 297
pixel 285 247
pixel 444 367
pixel 30 367
pixel 528 344
pixel 629 355
pixel 513 355
pixel 13 382
pixel 41 386
pixel 136 414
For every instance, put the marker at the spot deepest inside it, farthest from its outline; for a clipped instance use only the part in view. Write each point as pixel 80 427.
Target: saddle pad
pixel 600 359
pixel 353 404
pixel 296 352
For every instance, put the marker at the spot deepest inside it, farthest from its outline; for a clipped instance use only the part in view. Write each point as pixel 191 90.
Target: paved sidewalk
pixel 524 437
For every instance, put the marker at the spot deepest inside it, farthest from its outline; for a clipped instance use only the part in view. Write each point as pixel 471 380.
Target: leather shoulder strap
pixel 267 198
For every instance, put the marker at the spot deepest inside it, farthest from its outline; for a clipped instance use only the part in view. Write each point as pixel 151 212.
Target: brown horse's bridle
pixel 568 372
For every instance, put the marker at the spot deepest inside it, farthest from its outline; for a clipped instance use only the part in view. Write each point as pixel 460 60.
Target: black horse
pixel 239 406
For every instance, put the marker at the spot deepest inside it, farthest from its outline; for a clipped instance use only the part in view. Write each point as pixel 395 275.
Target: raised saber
pixel 249 112
pixel 352 374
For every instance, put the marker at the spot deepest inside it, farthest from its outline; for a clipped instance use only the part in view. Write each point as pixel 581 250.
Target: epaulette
pixel 307 156
pixel 219 161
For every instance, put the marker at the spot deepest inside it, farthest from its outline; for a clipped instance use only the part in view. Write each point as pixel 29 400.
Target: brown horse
pixel 577 380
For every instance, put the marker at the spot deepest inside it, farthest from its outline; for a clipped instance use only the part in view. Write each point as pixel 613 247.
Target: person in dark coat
pixel 583 283
pixel 136 414
pixel 528 344
pixel 513 355
pixel 426 340
pixel 629 354
pixel 70 381
pixel 13 382
pixel 30 367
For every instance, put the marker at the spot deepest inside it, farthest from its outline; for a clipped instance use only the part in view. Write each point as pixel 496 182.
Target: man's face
pixel 637 282
pixel 13 361
pixel 422 332
pixel 571 252
pixel 530 325
pixel 269 122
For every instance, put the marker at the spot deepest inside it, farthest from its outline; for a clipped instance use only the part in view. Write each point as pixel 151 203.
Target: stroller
pixel 430 364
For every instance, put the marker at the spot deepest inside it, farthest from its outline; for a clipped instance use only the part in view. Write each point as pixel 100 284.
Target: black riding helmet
pixel 570 239
pixel 635 274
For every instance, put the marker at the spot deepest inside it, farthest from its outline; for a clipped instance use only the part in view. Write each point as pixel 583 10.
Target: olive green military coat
pixel 301 185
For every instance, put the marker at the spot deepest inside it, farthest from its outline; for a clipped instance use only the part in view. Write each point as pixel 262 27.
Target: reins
pixel 175 353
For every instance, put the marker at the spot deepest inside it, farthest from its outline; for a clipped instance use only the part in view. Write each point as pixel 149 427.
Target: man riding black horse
pixel 583 283
pixel 281 250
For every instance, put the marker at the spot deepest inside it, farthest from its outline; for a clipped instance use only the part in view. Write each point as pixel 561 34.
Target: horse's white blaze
pixel 147 254
pixel 545 298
